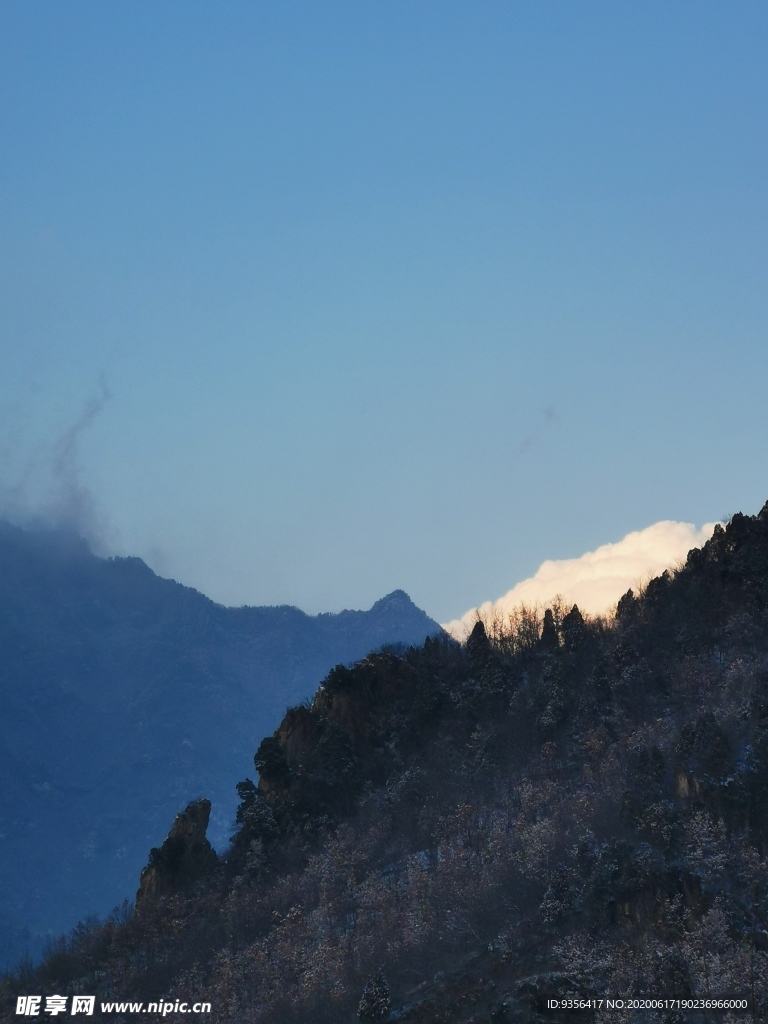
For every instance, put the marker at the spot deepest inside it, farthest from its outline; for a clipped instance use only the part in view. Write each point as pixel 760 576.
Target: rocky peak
pixel 184 858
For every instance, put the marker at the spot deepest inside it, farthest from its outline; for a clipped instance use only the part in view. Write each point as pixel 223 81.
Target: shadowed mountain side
pixel 125 696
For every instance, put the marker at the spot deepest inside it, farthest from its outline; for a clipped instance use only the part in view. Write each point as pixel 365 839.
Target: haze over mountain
pixel 124 696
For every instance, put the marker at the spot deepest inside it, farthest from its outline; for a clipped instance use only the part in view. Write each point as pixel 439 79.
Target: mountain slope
pixel 565 808
pixel 124 696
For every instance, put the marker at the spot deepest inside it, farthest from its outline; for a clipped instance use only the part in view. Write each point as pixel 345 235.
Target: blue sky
pixel 306 302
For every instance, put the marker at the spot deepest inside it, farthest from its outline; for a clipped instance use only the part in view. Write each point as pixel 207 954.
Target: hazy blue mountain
pixel 122 697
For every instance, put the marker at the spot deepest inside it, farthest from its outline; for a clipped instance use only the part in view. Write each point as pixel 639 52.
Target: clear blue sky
pixel 313 301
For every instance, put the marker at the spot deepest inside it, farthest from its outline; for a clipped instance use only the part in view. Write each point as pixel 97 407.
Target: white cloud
pixel 597 579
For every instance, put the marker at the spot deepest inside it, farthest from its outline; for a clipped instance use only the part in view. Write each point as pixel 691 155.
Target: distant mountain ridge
pixel 125 695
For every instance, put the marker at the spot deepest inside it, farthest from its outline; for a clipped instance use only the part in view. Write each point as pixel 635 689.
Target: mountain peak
pixel 397 599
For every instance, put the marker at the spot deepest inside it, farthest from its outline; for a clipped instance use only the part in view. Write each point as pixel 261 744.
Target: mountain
pixel 564 808
pixel 124 696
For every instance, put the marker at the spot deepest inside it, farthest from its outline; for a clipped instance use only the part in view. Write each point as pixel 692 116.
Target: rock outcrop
pixel 185 857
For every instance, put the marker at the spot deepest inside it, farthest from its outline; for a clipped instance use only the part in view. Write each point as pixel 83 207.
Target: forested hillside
pixel 451 834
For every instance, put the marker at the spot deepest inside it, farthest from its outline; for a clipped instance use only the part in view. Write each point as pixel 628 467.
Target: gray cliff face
pixel 124 696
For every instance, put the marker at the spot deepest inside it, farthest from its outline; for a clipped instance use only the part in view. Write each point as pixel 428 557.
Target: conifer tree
pixel 478 644
pixel 374 1004
pixel 549 638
